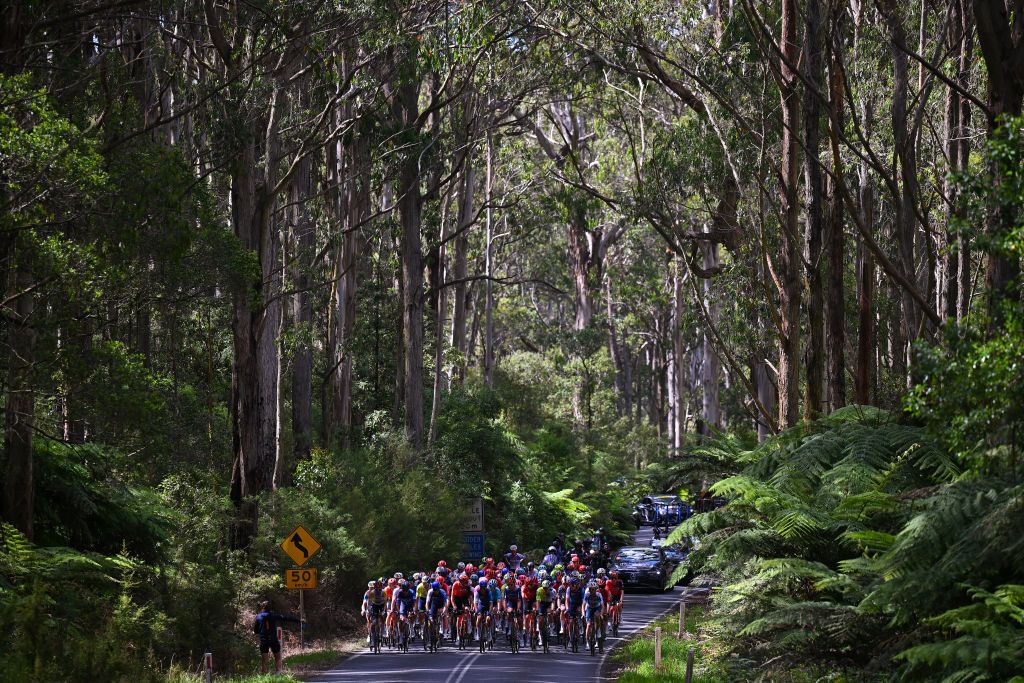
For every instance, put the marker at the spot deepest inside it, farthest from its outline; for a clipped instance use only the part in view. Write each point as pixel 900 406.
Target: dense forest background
pixel 350 263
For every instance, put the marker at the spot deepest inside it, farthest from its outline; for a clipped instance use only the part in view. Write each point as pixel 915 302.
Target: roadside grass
pixel 634 661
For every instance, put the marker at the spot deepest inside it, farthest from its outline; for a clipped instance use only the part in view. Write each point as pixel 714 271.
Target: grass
pixel 635 659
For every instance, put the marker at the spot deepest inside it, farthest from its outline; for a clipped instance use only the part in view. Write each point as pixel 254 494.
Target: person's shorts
pixel 514 606
pixel 375 610
pixel 270 645
pixel 591 612
pixel 482 607
pixel 461 603
pixel 528 604
pixel 614 599
pixel 574 610
pixel 421 604
pixel 404 608
pixel 543 607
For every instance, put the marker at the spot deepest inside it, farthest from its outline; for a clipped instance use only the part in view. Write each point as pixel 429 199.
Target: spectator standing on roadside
pixel 266 627
pixel 512 558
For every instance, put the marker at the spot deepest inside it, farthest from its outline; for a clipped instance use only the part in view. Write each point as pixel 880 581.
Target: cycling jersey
pixel 530 590
pixel 421 590
pixel 376 596
pixel 575 597
pixel 495 595
pixel 543 594
pixel 511 596
pixel 613 587
pixel 405 599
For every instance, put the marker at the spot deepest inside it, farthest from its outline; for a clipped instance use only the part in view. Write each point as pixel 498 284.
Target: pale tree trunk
pixel 790 265
pixel 20 403
pixel 409 211
pixel 677 366
pixel 865 367
pixel 615 352
pixel 711 367
pixel 440 325
pixel 963 251
pixel 303 238
pixel 815 354
pixel 460 295
pixel 489 267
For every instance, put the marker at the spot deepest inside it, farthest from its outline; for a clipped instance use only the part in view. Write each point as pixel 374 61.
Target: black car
pixel 665 509
pixel 641 567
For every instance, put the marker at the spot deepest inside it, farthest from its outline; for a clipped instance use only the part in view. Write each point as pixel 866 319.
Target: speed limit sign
pixel 300 579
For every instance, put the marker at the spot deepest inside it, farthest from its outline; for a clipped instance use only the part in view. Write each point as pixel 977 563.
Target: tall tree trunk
pixel 20 404
pixel 1001 37
pixel 790 263
pixel 677 368
pixel 409 209
pixel 300 191
pixel 905 214
pixel 711 367
pixel 950 280
pixel 489 267
pixel 963 244
pixel 441 322
pixel 466 216
pixel 835 314
pixel 815 355
pixel 863 376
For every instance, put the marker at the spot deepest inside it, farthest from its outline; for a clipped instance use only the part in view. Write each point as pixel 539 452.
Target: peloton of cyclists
pixel 515 595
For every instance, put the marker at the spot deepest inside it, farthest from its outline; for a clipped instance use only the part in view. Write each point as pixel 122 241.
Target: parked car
pixel 665 509
pixel 643 567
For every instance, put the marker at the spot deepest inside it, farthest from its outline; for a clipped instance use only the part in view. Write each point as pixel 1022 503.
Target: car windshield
pixel 637 555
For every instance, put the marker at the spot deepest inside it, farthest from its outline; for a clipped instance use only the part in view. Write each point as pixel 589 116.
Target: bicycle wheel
pixel 592 639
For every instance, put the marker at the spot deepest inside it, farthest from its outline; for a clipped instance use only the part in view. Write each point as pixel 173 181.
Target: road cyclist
pixel 594 616
pixel 374 604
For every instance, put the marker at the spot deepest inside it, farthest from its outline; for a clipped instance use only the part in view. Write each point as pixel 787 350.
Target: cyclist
pixel 551 559
pixel 573 602
pixel 422 588
pixel 545 596
pixel 512 602
pixel 266 626
pixel 594 602
pixel 458 600
pixel 482 607
pixel 613 590
pixel 512 558
pixel 404 602
pixel 436 600
pixel 389 592
pixel 374 602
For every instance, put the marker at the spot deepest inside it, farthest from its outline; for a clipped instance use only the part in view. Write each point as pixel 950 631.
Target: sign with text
pixel 474 515
pixel 300 546
pixel 472 546
pixel 300 579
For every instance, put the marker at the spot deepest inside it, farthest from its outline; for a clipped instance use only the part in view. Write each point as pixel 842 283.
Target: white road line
pixel 466 666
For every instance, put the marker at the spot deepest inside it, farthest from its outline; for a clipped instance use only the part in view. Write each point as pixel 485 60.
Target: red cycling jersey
pixel 460 590
pixel 530 590
pixel 613 587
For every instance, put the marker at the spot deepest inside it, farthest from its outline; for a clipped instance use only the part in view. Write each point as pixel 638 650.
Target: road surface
pixel 452 665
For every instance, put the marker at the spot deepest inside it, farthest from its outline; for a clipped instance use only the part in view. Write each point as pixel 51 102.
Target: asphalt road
pixel 452 665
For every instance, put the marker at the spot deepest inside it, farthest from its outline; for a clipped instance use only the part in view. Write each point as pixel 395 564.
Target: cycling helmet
pixel 464 577
pixel 416 576
pixel 392 582
pixel 462 565
pixel 559 567
pixel 398 575
pixel 614 574
pixel 551 549
pixel 378 583
pixel 501 565
pixel 403 583
pixel 542 574
pixel 546 584
pixel 473 577
pixel 483 581
pixel 442 563
pixel 601 572
pixel 489 560
pixel 371 584
pixel 529 565
pixel 436 586
pixel 513 548
pixel 493 583
pixel 574 581
pixel 520 571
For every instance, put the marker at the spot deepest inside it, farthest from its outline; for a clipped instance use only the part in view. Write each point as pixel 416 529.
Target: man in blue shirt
pixel 266 627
